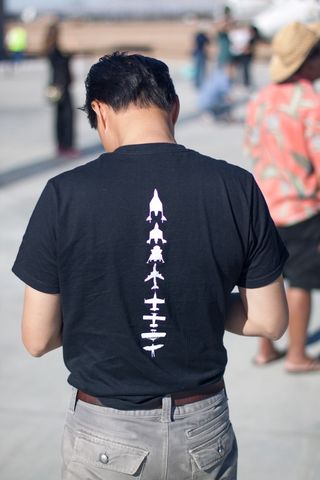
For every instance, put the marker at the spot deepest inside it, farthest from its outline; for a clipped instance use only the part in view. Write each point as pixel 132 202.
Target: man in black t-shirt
pixel 129 263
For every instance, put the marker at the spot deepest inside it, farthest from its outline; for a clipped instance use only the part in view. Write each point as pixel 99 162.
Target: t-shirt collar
pixel 149 147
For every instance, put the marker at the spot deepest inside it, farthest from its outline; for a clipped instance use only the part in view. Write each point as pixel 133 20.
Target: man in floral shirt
pixel 283 140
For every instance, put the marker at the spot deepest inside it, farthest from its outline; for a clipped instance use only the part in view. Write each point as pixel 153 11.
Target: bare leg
pixel 299 302
pixel 267 352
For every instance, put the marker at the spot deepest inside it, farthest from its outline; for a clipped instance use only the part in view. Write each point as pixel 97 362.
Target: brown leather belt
pixel 178 399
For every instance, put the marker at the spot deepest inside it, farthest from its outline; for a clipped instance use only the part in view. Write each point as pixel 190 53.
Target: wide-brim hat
pixel 315 26
pixel 290 48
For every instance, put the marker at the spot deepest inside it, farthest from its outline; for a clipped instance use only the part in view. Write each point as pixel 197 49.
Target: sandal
pixel 313 365
pixel 276 355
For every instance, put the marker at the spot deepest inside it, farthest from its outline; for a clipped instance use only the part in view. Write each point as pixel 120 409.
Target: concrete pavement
pixel 276 416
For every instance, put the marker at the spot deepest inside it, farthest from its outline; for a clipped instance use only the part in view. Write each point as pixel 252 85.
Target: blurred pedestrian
pixel 242 46
pixel 130 262
pixel 200 56
pixel 223 27
pixel 59 94
pixel 215 94
pixel 283 139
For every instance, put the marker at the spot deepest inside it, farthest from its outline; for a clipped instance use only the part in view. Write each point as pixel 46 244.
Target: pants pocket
pixel 95 457
pixel 214 422
pixel 216 458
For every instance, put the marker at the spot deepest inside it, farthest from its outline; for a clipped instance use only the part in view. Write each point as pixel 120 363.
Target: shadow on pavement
pixel 25 171
pixel 20 173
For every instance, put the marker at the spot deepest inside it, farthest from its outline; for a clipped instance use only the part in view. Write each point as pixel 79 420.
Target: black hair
pixel 315 52
pixel 120 79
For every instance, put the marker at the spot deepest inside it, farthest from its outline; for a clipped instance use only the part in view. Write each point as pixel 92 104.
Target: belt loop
pixel 73 400
pixel 166 409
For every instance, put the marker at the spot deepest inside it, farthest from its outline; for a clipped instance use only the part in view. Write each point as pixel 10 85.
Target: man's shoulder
pixel 78 174
pixel 220 167
pixel 200 164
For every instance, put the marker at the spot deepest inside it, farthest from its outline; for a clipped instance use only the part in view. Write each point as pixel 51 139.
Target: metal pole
pixel 2 22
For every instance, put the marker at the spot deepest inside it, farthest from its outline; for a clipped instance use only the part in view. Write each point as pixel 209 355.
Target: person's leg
pixel 59 125
pixel 267 352
pixel 299 301
pixel 246 64
pixel 199 69
pixel 66 122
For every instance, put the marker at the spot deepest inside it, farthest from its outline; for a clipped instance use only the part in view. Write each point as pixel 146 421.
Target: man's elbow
pixel 277 328
pixel 34 349
pixel 275 333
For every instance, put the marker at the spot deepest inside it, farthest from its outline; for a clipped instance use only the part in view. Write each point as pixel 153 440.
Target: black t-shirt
pixel 144 246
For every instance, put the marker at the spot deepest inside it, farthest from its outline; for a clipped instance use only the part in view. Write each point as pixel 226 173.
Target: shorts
pixel 302 240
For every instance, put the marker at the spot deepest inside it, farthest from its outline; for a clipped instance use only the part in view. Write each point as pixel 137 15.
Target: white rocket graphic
pixel 156 234
pixel 156 255
pixel 156 207
pixel 153 276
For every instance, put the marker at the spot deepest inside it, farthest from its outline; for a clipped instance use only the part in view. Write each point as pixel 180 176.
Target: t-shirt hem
pixel 33 282
pixel 266 279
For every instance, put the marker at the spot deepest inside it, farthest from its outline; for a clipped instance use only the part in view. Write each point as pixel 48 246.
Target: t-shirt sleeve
pixel 36 262
pixel 266 253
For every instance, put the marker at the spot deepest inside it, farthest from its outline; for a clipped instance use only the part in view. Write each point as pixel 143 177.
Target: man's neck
pixel 139 126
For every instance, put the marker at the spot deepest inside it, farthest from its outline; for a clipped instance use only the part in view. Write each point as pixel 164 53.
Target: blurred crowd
pixel 282 138
pixel 215 77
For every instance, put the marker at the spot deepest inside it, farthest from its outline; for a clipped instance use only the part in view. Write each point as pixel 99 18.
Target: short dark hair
pixel 120 79
pixel 315 52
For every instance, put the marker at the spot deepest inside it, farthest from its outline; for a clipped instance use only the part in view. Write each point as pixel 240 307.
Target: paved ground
pixel 276 416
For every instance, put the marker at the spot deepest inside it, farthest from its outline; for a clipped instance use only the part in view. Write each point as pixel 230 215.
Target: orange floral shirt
pixel 283 139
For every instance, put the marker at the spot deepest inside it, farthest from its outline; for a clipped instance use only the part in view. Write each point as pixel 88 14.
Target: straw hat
pixel 290 48
pixel 315 26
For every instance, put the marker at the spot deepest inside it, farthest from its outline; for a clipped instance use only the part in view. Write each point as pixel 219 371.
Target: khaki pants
pixel 194 441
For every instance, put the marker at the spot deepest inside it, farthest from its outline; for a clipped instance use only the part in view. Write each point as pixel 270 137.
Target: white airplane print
pixel 153 276
pixel 156 235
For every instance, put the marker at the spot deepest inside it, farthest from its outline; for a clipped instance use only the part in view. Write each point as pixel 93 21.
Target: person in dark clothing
pixel 243 41
pixel 201 43
pixel 129 262
pixel 60 81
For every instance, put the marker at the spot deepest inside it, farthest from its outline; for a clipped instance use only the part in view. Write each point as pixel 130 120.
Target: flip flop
pixel 274 358
pixel 308 367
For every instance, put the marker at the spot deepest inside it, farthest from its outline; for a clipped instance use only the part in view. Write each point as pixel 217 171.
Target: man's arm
pixel 41 322
pixel 259 312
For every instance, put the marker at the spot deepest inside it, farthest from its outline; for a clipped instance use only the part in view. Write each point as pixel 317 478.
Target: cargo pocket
pixel 215 454
pixel 96 454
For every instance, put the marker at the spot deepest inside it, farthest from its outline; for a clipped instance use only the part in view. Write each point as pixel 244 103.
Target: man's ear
pixel 175 110
pixel 100 112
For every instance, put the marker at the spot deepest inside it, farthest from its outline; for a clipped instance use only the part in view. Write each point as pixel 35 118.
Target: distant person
pixel 224 26
pixel 59 89
pixel 283 139
pixel 200 56
pixel 242 46
pixel 129 264
pixel 16 43
pixel 215 94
